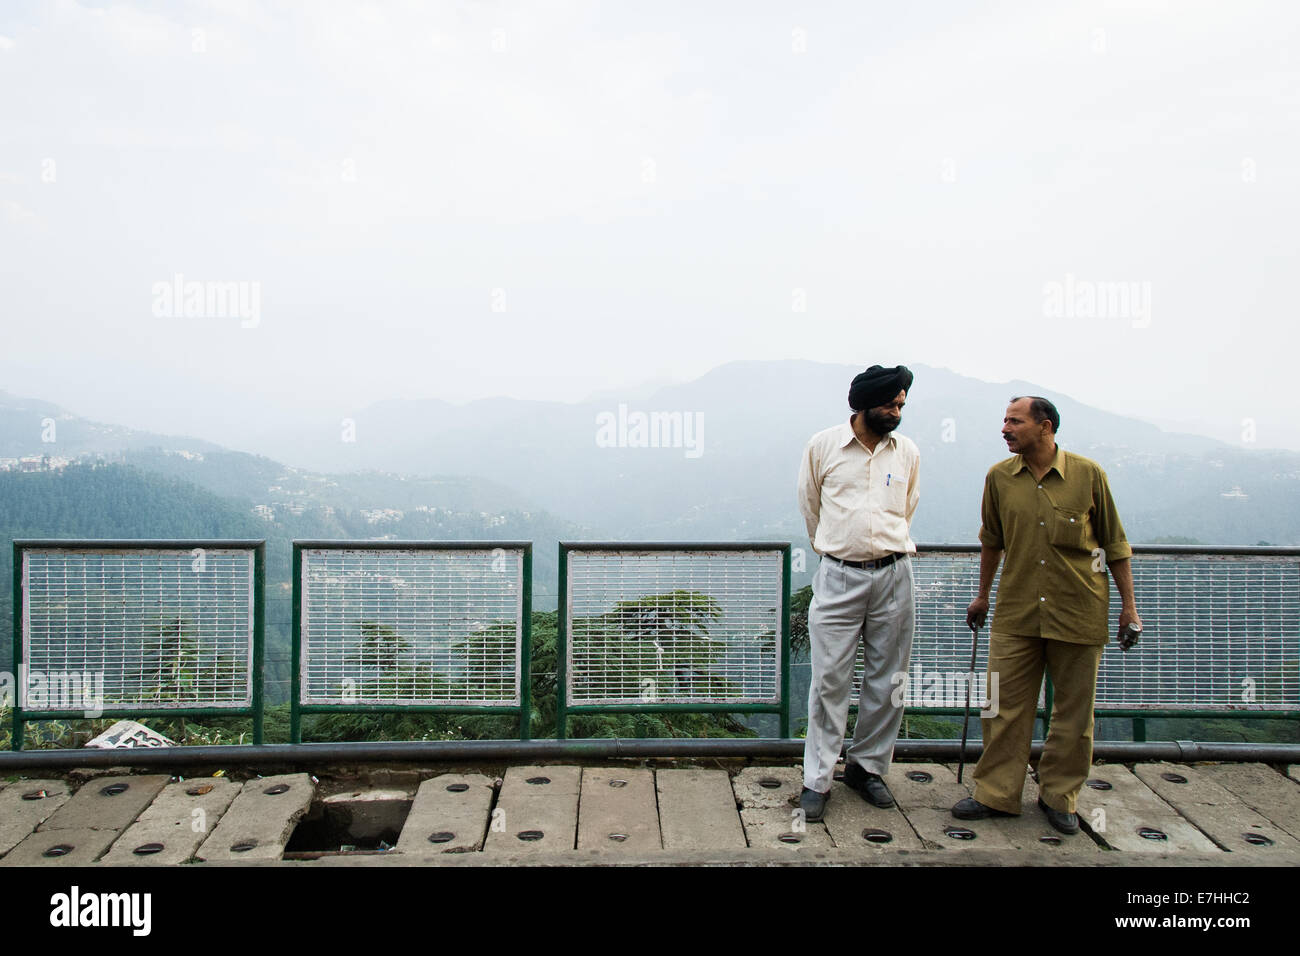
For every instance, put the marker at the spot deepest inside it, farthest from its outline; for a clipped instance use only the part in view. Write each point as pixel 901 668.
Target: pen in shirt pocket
pixel 887 478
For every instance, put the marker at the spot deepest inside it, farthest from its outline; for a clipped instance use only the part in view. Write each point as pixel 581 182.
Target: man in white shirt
pixel 858 490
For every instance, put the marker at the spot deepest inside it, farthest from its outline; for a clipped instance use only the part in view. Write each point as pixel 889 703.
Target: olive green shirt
pixel 1058 534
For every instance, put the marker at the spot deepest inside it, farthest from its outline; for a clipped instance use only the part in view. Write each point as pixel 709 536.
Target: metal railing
pixel 664 627
pixel 137 628
pixel 1221 634
pixel 414 626
pixel 175 628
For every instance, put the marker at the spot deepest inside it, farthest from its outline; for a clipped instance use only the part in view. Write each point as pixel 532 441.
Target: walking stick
pixel 965 720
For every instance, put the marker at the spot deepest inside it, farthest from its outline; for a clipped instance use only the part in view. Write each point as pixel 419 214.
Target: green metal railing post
pixel 259 639
pixel 16 743
pixel 295 656
pixel 784 719
pixel 561 647
pixel 525 662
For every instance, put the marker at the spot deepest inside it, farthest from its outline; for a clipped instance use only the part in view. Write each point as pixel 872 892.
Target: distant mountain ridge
pixel 498 455
pixel 756 418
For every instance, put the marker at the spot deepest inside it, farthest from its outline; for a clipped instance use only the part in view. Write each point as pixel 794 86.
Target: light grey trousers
pixel 849 605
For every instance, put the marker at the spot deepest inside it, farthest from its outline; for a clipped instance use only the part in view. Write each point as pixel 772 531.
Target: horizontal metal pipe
pixel 308 756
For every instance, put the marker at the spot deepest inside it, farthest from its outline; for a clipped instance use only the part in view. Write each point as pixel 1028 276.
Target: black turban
pixel 878 386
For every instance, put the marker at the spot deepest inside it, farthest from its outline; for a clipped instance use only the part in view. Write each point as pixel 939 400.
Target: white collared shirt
pixel 858 504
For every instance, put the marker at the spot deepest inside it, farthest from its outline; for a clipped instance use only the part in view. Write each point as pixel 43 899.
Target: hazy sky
pixel 461 200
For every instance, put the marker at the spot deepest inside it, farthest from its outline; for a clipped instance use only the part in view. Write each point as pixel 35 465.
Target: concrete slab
pixel 449 814
pixel 1263 789
pixel 1180 785
pixel 107 803
pixel 260 820
pixel 176 823
pixel 852 822
pixel 926 793
pixel 1214 810
pixel 1119 807
pixel 769 787
pixel 24 805
pixel 537 810
pixel 62 847
pixel 925 785
pixel 1031 830
pixel 697 810
pixel 939 829
pixel 775 828
pixel 618 811
pixel 178 801
pixel 1219 807
pixel 1241 831
pixel 1293 771
pixel 769 799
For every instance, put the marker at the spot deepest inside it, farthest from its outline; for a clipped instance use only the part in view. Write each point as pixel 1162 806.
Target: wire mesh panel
pixel 151 628
pixel 412 626
pixel 674 626
pixel 1222 632
pixel 939 670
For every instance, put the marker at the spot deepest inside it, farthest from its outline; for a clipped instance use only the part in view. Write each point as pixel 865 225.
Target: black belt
pixel 870 565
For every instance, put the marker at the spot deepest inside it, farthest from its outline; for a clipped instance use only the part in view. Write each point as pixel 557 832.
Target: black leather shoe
pixel 1067 823
pixel 868 784
pixel 971 809
pixel 813 804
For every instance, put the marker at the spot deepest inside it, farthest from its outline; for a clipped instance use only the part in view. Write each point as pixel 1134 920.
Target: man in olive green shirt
pixel 1052 513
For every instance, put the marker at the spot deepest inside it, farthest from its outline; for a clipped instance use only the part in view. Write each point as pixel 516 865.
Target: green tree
pixel 654 647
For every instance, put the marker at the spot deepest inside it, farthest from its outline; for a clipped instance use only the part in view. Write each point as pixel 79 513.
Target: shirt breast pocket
pixel 1071 529
pixel 895 498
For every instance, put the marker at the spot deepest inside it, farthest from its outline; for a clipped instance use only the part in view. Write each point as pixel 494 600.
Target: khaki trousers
pixel 1018 662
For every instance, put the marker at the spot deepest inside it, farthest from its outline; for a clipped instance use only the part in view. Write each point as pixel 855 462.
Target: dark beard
pixel 881 423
